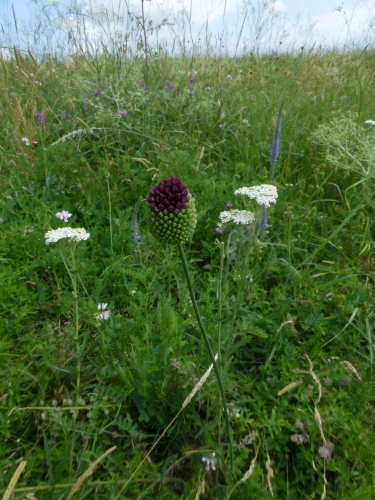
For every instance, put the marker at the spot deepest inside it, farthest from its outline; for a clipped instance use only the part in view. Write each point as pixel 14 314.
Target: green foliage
pixel 303 286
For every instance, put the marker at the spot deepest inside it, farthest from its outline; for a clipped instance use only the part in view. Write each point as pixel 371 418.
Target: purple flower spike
pixel 86 96
pixel 276 138
pixel 228 205
pixel 65 115
pixel 262 223
pixel 168 86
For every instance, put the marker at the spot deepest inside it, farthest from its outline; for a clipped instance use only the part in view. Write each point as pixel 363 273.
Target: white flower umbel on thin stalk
pixel 237 216
pixel 73 234
pixel 263 194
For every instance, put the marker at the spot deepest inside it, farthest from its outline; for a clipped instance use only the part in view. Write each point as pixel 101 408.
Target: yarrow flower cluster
pixel 74 234
pixel 370 122
pixel 104 315
pixel 64 215
pixel 264 195
pixel 210 462
pixel 237 216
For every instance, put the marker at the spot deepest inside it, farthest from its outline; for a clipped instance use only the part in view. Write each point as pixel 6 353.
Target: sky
pixel 323 22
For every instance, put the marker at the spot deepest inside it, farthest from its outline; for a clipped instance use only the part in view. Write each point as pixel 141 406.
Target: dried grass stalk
pixel 88 472
pixel 9 491
pixel 250 471
pixel 199 385
pixel 200 489
pixel 270 473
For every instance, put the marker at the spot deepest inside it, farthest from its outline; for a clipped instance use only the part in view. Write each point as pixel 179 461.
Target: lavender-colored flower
pixel 35 144
pixel 65 115
pixel 220 228
pixel 42 95
pixel 86 96
pixel 221 126
pixel 122 112
pixel 276 138
pixel 262 222
pixel 191 88
pixel 168 87
pixel 210 462
pixel 229 78
pixel 39 117
pixel 63 215
pixel 104 315
pixel 142 84
pixel 96 93
pixel 228 205
pixel 191 80
pixel 208 89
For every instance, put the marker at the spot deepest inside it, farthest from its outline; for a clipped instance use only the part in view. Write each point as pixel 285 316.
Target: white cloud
pixel 279 6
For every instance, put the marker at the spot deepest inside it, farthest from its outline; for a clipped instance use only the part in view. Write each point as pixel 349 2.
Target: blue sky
pixel 330 25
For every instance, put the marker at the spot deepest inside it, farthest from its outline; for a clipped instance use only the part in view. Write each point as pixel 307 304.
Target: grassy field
pixel 101 349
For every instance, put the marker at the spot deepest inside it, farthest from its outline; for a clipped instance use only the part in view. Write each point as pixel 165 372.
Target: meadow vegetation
pixel 100 346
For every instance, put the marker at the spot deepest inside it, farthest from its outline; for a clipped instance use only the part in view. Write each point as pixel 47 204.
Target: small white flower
pixel 26 141
pixel 104 315
pixel 101 306
pixel 64 215
pixel 263 194
pixel 74 234
pixel 368 122
pixel 232 409
pixel 237 216
pixel 210 462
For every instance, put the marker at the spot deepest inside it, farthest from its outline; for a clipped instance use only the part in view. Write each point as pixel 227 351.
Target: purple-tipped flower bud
pixel 172 210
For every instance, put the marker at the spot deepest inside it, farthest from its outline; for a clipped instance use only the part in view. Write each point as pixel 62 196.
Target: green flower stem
pixel 208 346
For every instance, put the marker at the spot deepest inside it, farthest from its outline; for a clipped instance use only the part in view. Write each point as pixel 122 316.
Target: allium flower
pixel 39 117
pixel 173 214
pixel 191 80
pixel 73 234
pixel 122 112
pixel 370 122
pixel 237 216
pixel 104 315
pixel 263 194
pixel 26 141
pixel 210 462
pixel 64 215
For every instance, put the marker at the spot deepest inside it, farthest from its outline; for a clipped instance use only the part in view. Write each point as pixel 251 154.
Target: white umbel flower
pixel 237 216
pixel 263 194
pixel 74 234
pixel 368 122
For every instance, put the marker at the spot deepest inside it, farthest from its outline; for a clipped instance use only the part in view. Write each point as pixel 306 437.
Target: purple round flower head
pixel 191 80
pixel 228 205
pixel 168 87
pixel 39 117
pixel 172 210
pixel 123 112
pixel 65 115
pixel 96 93
pixel 208 89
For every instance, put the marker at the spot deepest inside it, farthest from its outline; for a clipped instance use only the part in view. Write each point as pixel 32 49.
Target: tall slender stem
pixel 208 347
